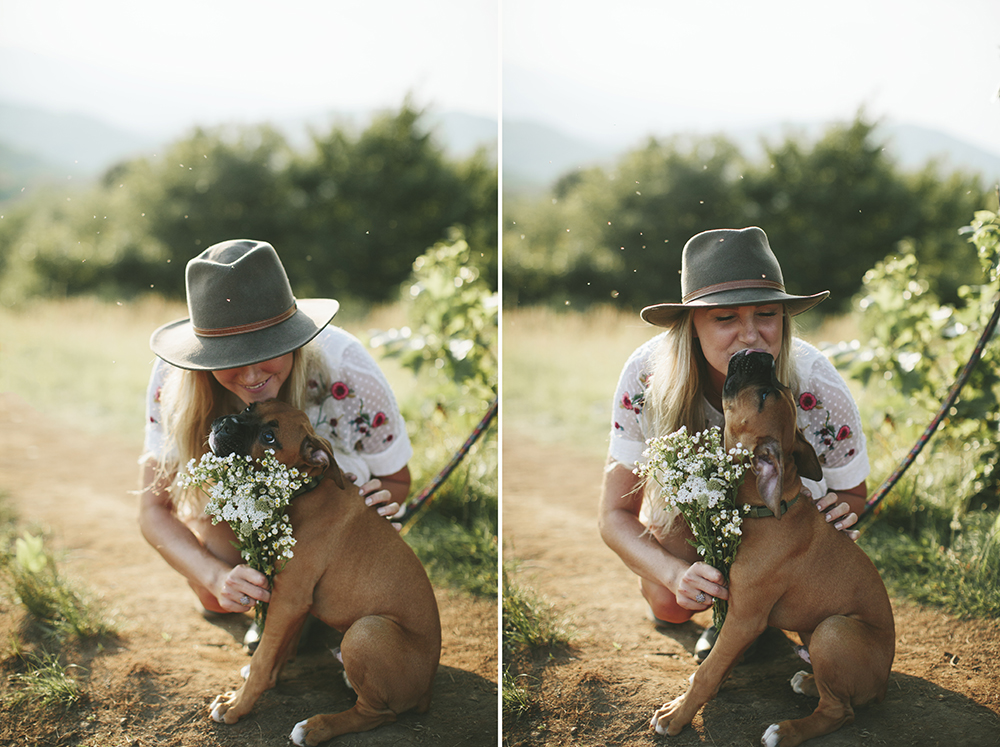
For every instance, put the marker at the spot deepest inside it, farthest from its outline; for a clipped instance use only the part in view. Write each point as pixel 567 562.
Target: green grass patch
pixel 455 533
pixel 58 608
pixel 46 682
pixel 529 621
pixel 531 628
pixel 935 555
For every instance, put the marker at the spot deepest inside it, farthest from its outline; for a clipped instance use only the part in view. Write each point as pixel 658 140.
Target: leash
pixel 891 481
pixel 412 506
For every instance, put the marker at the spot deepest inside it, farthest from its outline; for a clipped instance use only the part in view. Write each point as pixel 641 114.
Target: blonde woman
pixel 733 299
pixel 248 339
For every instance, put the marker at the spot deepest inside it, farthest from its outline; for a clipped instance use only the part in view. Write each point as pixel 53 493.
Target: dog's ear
pixel 317 455
pixel 768 464
pixel 805 457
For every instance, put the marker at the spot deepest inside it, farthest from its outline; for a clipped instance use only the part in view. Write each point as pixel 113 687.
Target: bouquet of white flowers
pixel 252 498
pixel 699 478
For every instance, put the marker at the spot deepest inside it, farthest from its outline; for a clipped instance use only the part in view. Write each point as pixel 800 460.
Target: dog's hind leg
pixel 389 669
pixel 848 672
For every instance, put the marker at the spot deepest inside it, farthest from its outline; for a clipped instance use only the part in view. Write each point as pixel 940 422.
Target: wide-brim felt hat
pixel 241 311
pixel 729 267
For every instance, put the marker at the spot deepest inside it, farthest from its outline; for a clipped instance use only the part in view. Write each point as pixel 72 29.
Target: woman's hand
pixel 378 498
pixel 838 513
pixel 241 588
pixel 700 585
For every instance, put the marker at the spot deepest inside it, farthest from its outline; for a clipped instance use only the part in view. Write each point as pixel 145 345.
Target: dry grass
pixel 86 362
pixel 560 369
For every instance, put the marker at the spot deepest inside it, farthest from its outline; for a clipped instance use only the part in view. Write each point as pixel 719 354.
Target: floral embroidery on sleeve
pixel 829 434
pixel 633 403
pixel 332 401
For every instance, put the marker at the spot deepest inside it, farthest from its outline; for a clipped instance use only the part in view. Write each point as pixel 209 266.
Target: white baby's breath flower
pixel 698 477
pixel 253 499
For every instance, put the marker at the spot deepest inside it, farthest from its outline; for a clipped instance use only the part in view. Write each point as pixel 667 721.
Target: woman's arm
pixel 219 585
pixel 621 530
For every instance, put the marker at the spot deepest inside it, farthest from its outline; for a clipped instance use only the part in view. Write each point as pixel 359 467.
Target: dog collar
pixel 308 485
pixel 760 512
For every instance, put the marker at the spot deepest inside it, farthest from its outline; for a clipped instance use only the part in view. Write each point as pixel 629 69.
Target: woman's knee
pixel 663 603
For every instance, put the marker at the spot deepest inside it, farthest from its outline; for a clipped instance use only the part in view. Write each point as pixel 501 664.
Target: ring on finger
pixel 245 600
pixel 701 598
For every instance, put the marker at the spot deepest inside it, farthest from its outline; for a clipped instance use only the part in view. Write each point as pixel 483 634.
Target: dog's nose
pixel 225 425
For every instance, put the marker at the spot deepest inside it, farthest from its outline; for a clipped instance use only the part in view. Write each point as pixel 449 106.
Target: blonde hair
pixel 191 400
pixel 675 395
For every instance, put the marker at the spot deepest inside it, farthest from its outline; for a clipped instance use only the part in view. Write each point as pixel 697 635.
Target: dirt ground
pixel 153 683
pixel 944 688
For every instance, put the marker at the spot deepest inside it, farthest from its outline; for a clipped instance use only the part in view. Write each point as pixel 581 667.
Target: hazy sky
pixel 594 68
pixel 148 63
pixel 637 65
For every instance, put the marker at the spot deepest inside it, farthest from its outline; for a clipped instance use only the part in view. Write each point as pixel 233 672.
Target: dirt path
pixel 153 684
pixel 944 688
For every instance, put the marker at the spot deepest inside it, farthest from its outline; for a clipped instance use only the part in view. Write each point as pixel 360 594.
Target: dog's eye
pixel 267 437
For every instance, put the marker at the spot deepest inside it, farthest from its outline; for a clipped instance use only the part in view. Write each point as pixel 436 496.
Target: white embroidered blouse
pixel 826 413
pixel 351 405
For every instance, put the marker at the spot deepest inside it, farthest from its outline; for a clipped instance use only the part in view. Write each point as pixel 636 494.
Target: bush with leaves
pixel 937 537
pixel 918 346
pixel 451 345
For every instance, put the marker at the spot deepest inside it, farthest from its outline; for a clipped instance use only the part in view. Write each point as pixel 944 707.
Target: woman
pixel 247 340
pixel 733 299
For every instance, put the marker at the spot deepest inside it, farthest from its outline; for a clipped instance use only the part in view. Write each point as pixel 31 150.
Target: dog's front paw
pixel 305 735
pixel 772 737
pixel 669 719
pixel 220 709
pixel 298 735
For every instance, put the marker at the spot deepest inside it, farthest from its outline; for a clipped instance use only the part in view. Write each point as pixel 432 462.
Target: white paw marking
pixel 771 737
pixel 661 730
pixel 797 682
pixel 245 672
pixel 298 735
pixel 218 716
pixel 803 652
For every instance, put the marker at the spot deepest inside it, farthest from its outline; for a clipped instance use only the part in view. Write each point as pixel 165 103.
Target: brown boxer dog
pixel 352 570
pixel 793 571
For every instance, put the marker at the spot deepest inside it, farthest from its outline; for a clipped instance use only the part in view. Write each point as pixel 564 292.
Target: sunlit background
pixel 599 79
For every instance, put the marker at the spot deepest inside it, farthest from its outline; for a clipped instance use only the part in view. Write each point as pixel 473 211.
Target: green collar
pixel 308 485
pixel 760 512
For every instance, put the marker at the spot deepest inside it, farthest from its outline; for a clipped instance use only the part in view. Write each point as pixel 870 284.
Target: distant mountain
pixel 535 155
pixel 38 145
pixel 71 144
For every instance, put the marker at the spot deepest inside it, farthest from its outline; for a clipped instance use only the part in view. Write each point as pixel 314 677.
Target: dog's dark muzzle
pixel 231 434
pixel 749 368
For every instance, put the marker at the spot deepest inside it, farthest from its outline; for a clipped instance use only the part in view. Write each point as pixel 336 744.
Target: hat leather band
pixel 733 285
pixel 244 328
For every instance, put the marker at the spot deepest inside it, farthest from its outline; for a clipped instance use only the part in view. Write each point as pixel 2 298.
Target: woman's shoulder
pixel 810 360
pixel 334 342
pixel 642 355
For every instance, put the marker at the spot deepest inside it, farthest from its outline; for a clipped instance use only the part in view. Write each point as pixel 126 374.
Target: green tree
pixel 618 234
pixel 370 205
pixel 348 218
pixel 834 208
pixel 831 209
